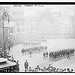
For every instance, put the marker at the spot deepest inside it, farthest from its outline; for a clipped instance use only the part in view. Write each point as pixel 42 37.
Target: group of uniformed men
pixel 35 49
pixel 59 54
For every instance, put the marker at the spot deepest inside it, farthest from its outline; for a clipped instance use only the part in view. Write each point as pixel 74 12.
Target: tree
pixel 8 43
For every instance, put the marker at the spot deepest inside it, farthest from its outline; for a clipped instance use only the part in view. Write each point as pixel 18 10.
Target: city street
pixel 37 58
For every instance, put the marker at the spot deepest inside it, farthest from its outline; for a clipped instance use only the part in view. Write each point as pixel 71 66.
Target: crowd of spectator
pixel 49 69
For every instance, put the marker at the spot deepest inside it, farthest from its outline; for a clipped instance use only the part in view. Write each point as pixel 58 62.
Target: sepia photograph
pixel 37 38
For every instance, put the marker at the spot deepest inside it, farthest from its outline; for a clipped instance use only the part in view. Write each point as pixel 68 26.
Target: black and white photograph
pixel 37 38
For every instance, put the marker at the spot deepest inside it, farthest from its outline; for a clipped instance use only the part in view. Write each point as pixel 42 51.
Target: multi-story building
pixel 49 25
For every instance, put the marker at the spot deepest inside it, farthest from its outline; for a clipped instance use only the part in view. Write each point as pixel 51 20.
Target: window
pixel 18 29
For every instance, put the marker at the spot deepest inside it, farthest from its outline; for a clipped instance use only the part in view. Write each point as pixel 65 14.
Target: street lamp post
pixel 5 16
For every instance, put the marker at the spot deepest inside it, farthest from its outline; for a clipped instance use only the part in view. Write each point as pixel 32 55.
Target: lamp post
pixel 5 17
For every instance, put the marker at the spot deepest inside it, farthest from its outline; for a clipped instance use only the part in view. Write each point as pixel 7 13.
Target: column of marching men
pixel 33 50
pixel 59 54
